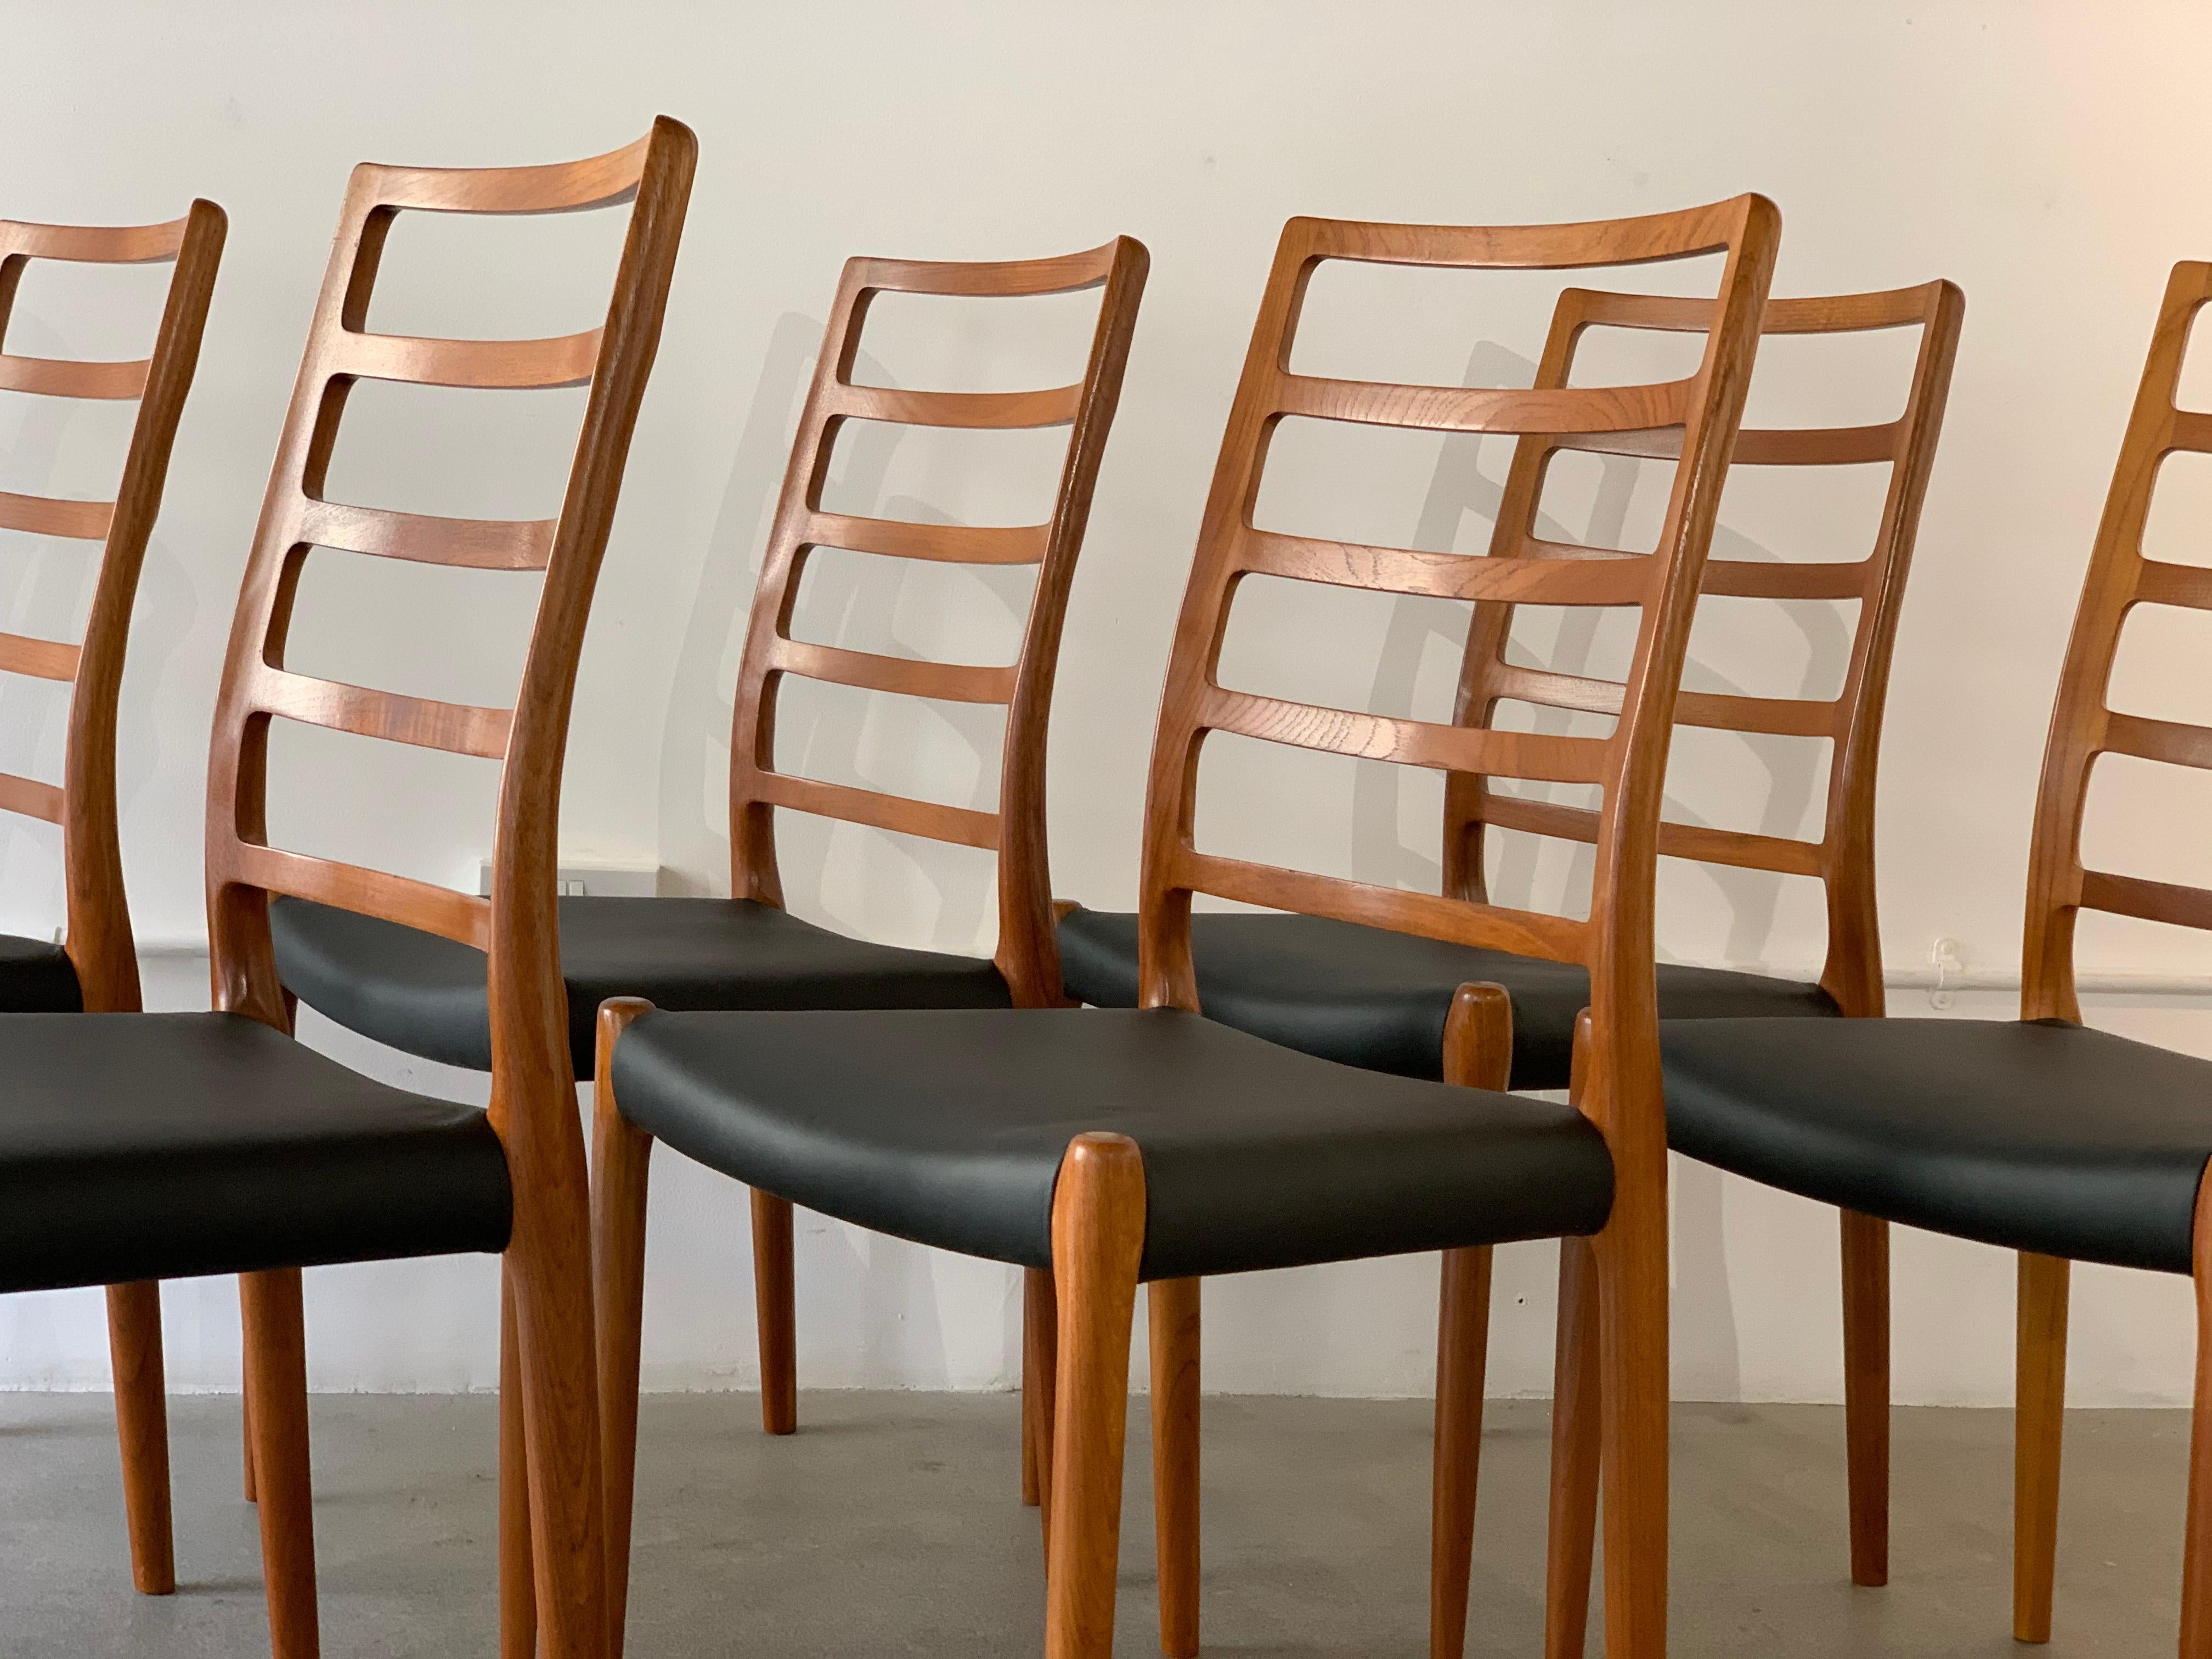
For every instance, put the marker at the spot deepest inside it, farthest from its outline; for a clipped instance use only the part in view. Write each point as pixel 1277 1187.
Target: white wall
pixel 2043 156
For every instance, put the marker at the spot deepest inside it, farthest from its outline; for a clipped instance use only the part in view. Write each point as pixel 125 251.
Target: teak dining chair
pixel 94 966
pixel 1369 997
pixel 1118 1146
pixel 2041 1136
pixel 424 994
pixel 135 1147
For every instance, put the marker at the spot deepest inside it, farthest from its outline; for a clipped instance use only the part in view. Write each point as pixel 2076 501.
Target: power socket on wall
pixel 605 880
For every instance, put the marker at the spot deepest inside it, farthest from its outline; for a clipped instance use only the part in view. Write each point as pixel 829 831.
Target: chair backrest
pixel 516 926
pixel 2119 578
pixel 1629 765
pixel 98 938
pixel 1842 858
pixel 1027 954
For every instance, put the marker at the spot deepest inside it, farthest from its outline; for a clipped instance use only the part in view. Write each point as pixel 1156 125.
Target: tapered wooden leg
pixel 1866 1392
pixel 2197 1544
pixel 276 1364
pixel 621 1163
pixel 517 1585
pixel 1040 1359
pixel 776 1310
pixel 1097 1241
pixel 1478 1053
pixel 246 1421
pixel 1463 1354
pixel 142 1426
pixel 1576 1443
pixel 2038 1425
pixel 1174 1354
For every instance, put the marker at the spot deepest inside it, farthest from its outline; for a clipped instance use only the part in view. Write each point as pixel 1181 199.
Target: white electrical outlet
pixel 600 880
pixel 1950 963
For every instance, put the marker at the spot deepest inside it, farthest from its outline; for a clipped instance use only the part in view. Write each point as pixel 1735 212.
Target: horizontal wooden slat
pixel 459 916
pixel 1490 926
pixel 2151 900
pixel 1781 579
pixel 605 180
pixel 947 544
pixel 980 411
pixel 945 681
pixel 1484 409
pixel 1524 580
pixel 2160 583
pixel 2170 741
pixel 42 515
pixel 471 544
pixel 31 797
pixel 1837 314
pixel 2190 430
pixel 1739 849
pixel 1409 742
pixel 44 660
pixel 932 820
pixel 1808 446
pixel 458 728
pixel 482 365
pixel 1524 247
pixel 97 244
pixel 73 377
pixel 1066 273
pixel 1553 691
pixel 1780 717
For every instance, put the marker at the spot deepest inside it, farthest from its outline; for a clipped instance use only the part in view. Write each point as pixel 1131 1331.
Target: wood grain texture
pixel 622 1157
pixel 1040 1344
pixel 1865 1248
pixel 142 1426
pixel 776 1313
pixel 1027 952
pixel 1097 1238
pixel 546 1268
pixel 518 1587
pixel 276 1360
pixel 2196 1546
pixel 1175 1353
pixel 1576 1450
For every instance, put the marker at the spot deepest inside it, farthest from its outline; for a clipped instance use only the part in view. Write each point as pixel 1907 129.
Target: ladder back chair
pixel 142 1147
pixel 2041 1135
pixel 93 965
pixel 1111 1147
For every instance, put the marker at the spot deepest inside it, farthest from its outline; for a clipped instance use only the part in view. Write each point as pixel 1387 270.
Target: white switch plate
pixel 603 880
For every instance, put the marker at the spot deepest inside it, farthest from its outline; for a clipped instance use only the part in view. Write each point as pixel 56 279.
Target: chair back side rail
pixel 1027 954
pixel 2082 725
pixel 1629 765
pixel 98 937
pixel 1842 859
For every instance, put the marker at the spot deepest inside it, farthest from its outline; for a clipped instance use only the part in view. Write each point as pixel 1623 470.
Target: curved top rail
pixel 1066 273
pixel 596 181
pixel 1685 234
pixel 96 244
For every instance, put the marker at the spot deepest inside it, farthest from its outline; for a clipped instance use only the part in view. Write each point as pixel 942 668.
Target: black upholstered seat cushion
pixel 2038 1136
pixel 425 994
pixel 948 1127
pixel 1372 998
pixel 37 978
pixel 163 1146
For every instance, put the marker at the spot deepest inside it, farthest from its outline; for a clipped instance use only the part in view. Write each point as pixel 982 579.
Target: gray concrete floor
pixel 890 1524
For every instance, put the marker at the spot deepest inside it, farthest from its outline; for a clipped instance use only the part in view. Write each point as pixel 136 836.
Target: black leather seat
pixel 2035 1136
pixel 37 978
pixel 1376 998
pixel 948 1128
pixel 163 1146
pixel 424 994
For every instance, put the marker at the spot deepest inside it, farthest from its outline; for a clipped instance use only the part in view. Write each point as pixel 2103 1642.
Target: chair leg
pixel 775 1299
pixel 276 1366
pixel 1098 1242
pixel 622 1157
pixel 1175 1331
pixel 1866 1392
pixel 1040 1357
pixel 1632 1377
pixel 1576 1443
pixel 2196 1546
pixel 142 1426
pixel 245 1438
pixel 2039 1426
pixel 1462 1355
pixel 517 1585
